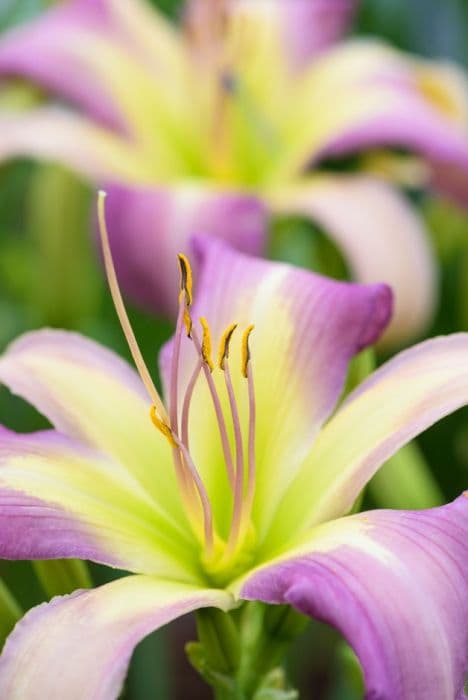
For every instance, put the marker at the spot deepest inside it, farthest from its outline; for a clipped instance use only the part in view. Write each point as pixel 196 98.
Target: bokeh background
pixel 50 275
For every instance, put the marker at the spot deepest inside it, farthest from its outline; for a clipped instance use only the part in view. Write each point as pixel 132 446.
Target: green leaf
pixel 405 481
pixel 10 612
pixel 66 285
pixel 61 576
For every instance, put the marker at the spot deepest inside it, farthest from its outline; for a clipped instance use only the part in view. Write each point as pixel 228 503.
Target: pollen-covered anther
pixel 162 426
pixel 186 278
pixel 207 344
pixel 186 294
pixel 246 350
pixel 223 353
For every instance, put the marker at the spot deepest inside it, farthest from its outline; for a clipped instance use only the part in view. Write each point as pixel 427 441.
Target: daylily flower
pixel 237 486
pixel 231 119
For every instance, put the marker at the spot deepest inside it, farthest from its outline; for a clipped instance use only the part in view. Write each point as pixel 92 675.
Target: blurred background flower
pixel 239 111
pixel 50 274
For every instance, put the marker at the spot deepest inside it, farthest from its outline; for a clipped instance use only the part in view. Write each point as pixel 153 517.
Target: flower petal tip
pixel 380 314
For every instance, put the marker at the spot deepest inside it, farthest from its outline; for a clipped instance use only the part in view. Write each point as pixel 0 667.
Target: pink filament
pixel 243 507
pixel 185 468
pixel 219 414
pixel 239 478
pixel 174 389
pixel 187 401
pixel 251 468
pixel 202 493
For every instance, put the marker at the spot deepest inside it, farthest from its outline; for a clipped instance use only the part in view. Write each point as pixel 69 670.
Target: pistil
pixel 174 425
pixel 182 461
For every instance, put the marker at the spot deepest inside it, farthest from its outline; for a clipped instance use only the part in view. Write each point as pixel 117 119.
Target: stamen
pixel 224 344
pixel 246 349
pixel 218 411
pixel 243 507
pixel 161 426
pixel 187 322
pixel 251 468
pixel 239 479
pixel 122 314
pixel 186 278
pixel 187 402
pixel 186 286
pixel 185 468
pixel 224 365
pixel 203 495
pixel 174 387
pixel 187 474
pixel 206 344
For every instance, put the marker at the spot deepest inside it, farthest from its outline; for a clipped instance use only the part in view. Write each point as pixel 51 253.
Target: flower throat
pixel 173 422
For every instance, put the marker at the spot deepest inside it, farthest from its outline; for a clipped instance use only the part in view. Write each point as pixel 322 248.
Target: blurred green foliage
pixel 50 275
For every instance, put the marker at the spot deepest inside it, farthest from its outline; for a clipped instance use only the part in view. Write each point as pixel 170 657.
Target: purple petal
pixel 308 26
pixel 39 52
pixel 395 251
pixel 395 584
pixel 60 499
pixel 79 646
pixel 63 51
pixel 149 226
pixel 315 25
pixel 307 328
pixel 406 116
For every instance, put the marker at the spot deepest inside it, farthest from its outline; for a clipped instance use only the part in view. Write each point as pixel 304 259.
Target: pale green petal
pixel 397 402
pixel 55 134
pixel 79 646
pixel 91 394
pixel 59 498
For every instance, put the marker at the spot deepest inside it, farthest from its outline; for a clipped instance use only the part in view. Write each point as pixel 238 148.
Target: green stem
pixel 238 653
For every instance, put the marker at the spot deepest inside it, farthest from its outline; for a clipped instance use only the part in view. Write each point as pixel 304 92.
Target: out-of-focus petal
pixel 79 646
pixel 307 26
pixel 395 584
pixel 45 50
pixel 38 51
pixel 307 328
pixel 397 402
pixel 60 499
pixel 149 226
pixel 55 134
pixel 122 64
pixel 381 237
pixel 92 395
pixel 363 95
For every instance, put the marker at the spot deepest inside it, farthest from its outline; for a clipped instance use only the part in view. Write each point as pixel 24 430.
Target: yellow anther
pixel 246 349
pixel 162 426
pixel 223 352
pixel 187 322
pixel 185 278
pixel 206 344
